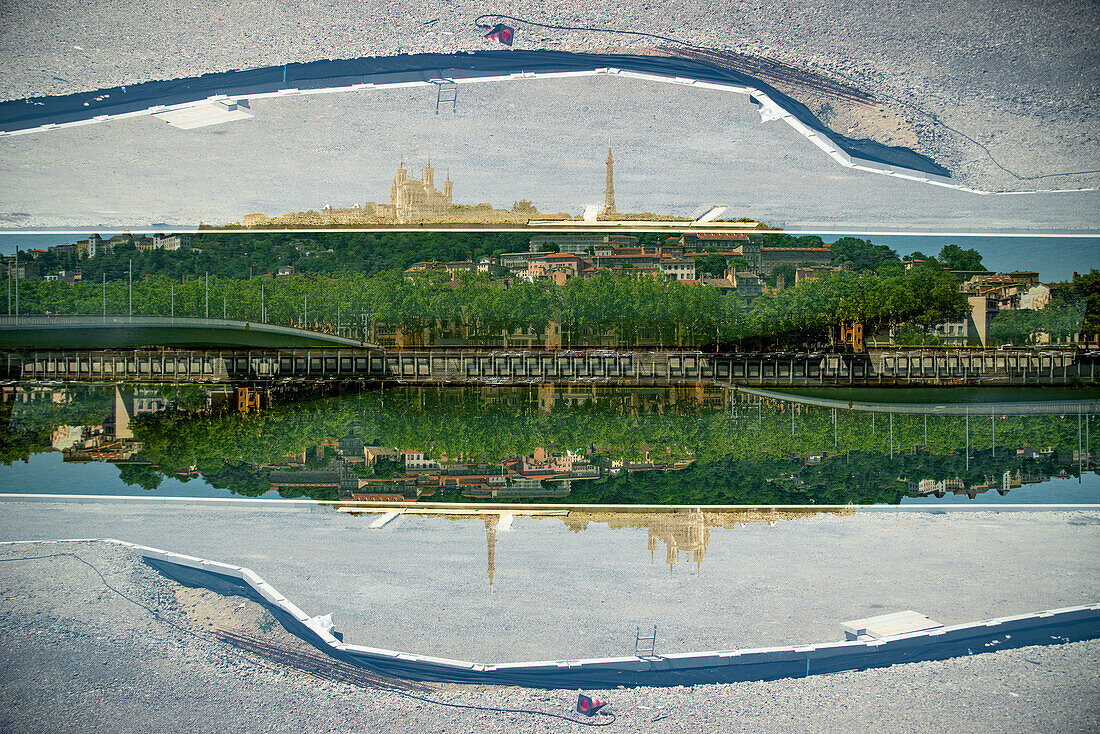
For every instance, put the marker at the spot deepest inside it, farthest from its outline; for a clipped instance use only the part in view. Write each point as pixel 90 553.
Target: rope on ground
pixel 157 615
pixel 610 717
pixel 935 120
pixel 533 712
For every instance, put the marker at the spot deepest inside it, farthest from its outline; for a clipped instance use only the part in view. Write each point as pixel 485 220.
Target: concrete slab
pixel 887 625
pixel 204 115
pixel 384 520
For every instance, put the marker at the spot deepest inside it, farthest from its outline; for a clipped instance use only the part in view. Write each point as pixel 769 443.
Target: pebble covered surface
pixel 1020 78
pixel 78 656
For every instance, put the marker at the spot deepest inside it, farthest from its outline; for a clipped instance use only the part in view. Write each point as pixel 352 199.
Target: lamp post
pixel 130 284
pixel 104 295
pixel 208 294
pixel 263 307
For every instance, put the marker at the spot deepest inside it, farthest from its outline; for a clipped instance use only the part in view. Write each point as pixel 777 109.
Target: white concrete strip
pixel 385 520
pixel 504 525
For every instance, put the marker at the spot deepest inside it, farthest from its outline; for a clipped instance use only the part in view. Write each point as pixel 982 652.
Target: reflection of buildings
pixel 546 472
pixel 131 404
pixel 1002 484
pixel 683 532
pixel 338 477
pixel 543 474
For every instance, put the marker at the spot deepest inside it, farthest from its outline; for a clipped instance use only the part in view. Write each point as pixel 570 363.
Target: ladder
pixel 640 642
pixel 446 92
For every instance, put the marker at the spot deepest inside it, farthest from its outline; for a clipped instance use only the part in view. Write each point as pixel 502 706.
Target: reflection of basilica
pixel 685 532
pixel 491 522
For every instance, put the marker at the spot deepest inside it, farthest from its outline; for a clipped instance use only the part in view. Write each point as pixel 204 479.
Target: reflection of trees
pixel 28 421
pixel 747 455
pixel 140 475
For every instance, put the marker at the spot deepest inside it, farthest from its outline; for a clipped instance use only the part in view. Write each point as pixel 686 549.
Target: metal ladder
pixel 640 642
pixel 446 91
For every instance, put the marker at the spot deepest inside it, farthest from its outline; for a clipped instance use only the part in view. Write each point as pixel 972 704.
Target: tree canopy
pixel 860 255
pixel 954 257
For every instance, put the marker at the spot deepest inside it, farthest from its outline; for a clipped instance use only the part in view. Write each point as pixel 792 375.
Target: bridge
pixel 120 332
pixel 894 367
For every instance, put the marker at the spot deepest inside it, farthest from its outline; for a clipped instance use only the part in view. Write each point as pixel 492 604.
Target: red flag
pixel 502 33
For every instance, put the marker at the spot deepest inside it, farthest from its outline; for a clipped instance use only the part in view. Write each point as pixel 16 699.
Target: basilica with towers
pixel 413 199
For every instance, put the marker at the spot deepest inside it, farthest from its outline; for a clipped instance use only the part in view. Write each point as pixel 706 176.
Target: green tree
pixel 860 255
pixel 954 257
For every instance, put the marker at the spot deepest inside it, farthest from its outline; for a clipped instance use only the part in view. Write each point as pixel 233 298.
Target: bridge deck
pixel 120 332
pixel 500 367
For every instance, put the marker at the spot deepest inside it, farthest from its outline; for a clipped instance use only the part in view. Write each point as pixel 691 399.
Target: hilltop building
pixel 415 199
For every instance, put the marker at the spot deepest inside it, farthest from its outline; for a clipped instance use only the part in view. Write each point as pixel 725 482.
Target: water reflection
pixel 684 535
pixel 700 445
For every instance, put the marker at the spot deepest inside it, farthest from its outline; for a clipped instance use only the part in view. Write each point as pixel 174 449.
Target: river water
pixel 581 445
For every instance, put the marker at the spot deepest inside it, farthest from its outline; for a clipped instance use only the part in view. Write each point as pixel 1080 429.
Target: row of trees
pixel 669 311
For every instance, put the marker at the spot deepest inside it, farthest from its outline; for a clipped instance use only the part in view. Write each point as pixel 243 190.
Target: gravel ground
pixel 677 150
pixel 1021 78
pixel 793 582
pixel 76 656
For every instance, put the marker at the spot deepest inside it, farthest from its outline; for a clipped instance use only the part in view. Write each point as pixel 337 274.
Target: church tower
pixel 609 191
pixel 428 175
pixel 448 189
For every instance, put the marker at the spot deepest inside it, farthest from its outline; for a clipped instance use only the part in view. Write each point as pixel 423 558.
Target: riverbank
pixel 706 584
pixel 1008 78
pixel 167 672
